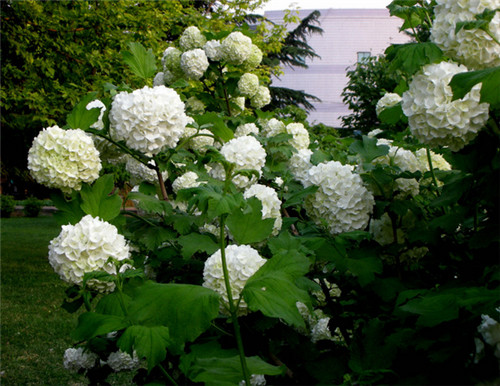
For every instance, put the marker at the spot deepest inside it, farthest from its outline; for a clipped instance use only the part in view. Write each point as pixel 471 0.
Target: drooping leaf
pixel 92 324
pixel 80 117
pixel 296 198
pixel 195 242
pixel 433 308
pixel 215 124
pixel 151 204
pixel 368 149
pixel 141 62
pixel 247 225
pixel 149 342
pixel 98 200
pixel 175 306
pixel 210 364
pixel 463 82
pixel 273 289
pixel 410 57
pixel 482 21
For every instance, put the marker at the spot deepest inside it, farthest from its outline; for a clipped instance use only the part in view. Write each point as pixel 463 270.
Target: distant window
pixel 362 56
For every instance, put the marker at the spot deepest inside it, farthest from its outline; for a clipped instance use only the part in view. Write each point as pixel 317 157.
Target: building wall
pixel 346 32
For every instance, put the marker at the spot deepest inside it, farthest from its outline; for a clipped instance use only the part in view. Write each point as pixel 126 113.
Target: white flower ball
pixel 341 200
pixel 272 127
pixel 186 181
pixel 240 105
pixel 382 232
pixel 300 134
pixel 246 129
pixel 171 61
pixel 63 159
pixel 438 161
pixel 389 99
pixel 192 38
pixel 242 262
pixel 212 50
pixel 76 358
pixel 433 117
pixel 99 125
pixel 300 164
pixel 195 106
pixel 271 204
pixel 140 172
pixel 120 361
pixel 159 79
pixel 236 48
pixel 86 247
pixel 148 119
pixel 245 152
pixel 473 47
pixel 261 98
pixel 255 380
pixel 194 63
pixel 199 143
pixel 248 84
pixel 254 59
pixel 320 331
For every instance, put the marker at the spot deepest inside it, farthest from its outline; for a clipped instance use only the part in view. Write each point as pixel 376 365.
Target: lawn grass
pixel 35 330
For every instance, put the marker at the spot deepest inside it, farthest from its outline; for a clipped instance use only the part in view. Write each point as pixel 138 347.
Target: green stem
pixel 491 36
pixel 429 160
pixel 119 286
pixel 169 377
pixel 232 309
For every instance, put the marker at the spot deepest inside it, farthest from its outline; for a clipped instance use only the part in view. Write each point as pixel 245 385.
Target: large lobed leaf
pixel 141 62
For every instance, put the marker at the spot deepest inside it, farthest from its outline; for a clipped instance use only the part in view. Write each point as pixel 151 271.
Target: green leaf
pixel 186 310
pixel 80 117
pixel 195 242
pixel 92 324
pixel 298 197
pixel 410 57
pixel 151 204
pixel 216 125
pixel 273 290
pixel 463 82
pixel 149 342
pixel 210 364
pixel 365 268
pixel 433 308
pixel 392 115
pixel 154 236
pixel 482 21
pixel 68 212
pixel 247 225
pixel 368 148
pixel 141 62
pixel 98 201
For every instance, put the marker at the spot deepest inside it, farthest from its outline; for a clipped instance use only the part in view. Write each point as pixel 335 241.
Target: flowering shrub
pixel 267 251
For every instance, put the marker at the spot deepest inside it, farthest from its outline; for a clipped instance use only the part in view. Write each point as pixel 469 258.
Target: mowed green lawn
pixel 34 328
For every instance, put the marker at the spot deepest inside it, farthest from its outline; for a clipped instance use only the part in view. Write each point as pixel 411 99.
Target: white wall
pixel 345 33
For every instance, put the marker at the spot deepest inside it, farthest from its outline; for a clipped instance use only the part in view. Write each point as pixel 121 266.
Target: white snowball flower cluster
pixel 75 359
pixel 99 125
pixel 246 129
pixel 148 119
pixel 255 380
pixel 212 50
pixel 194 63
pixel 248 84
pixel 490 331
pixel 86 247
pixel 389 99
pixel 433 117
pixel 341 200
pixel 120 361
pixel 254 59
pixel 171 61
pixel 240 105
pixel 236 48
pixel 242 262
pixel 300 164
pixel 63 159
pixel 300 134
pixel 272 127
pixel 194 105
pixel 186 181
pixel 140 172
pixel 191 39
pixel 382 231
pixel 472 47
pixel 245 152
pixel 271 204
pixel 438 161
pixel 261 98
pixel 317 325
pixel 201 142
pixel 159 79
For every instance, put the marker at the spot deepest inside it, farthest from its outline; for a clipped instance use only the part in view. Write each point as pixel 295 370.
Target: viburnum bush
pixel 261 252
